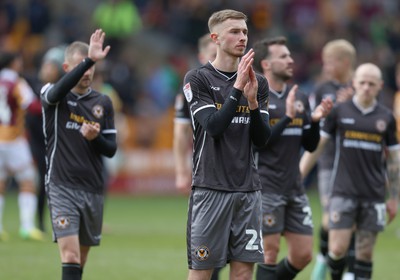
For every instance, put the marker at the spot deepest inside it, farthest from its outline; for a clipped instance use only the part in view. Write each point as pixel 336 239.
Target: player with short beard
pixel 286 209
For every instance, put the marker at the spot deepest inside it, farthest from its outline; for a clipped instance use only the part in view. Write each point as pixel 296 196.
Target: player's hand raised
pixel 290 101
pixel 322 110
pixel 96 51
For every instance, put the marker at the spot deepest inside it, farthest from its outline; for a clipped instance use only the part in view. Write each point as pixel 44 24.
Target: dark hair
pixel 6 58
pixel 261 50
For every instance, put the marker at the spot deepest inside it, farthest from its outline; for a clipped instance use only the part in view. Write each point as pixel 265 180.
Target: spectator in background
pixel 120 19
pixel 15 157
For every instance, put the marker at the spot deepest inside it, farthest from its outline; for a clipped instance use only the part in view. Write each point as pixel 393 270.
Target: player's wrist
pixel 89 61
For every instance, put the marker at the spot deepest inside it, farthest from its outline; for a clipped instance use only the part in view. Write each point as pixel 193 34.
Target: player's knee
pixel 337 250
pixel 70 257
pixel 301 258
pixel 271 253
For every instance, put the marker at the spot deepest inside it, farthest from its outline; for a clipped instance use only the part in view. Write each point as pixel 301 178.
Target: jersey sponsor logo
pixel 363 145
pixel 381 125
pixel 244 120
pixel 73 126
pixel 272 106
pixel 98 111
pixel 294 131
pixel 269 220
pixel 202 253
pixel 187 90
pixel 347 120
pixel 62 222
pixel 215 88
pixel 72 103
pixel 365 136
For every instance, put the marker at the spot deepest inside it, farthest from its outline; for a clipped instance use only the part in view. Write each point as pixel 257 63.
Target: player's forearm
pixel 105 144
pixel 68 81
pixel 278 128
pixel 260 130
pixel 311 137
pixel 308 160
pixel 181 149
pixel 216 122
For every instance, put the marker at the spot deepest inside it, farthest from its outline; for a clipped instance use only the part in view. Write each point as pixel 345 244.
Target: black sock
pixel 266 272
pixel 351 254
pixel 323 241
pixel 71 271
pixel 336 267
pixel 285 270
pixel 215 273
pixel 362 270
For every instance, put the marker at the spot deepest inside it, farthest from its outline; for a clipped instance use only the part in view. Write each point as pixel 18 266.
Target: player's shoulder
pixel 261 78
pixel 101 97
pixel 202 70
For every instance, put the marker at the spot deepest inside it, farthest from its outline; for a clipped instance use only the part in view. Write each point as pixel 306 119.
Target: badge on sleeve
pixel 187 90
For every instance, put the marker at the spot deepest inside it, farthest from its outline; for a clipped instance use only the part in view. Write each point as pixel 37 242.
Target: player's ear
pixel 65 67
pixel 264 64
pixel 214 37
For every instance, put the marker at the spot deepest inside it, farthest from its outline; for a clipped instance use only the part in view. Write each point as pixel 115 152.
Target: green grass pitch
pixel 144 238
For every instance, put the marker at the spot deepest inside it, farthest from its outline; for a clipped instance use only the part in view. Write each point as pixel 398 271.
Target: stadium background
pixel 152 48
pixel 154 44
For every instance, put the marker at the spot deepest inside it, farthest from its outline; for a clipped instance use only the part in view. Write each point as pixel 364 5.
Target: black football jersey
pixel 324 90
pixel 71 160
pixel 226 163
pixel 278 162
pixel 361 137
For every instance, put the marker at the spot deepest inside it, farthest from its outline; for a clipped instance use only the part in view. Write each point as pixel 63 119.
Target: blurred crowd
pixel 154 43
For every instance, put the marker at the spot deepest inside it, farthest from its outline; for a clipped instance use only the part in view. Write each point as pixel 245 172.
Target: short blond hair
pixel 76 47
pixel 223 15
pixel 340 48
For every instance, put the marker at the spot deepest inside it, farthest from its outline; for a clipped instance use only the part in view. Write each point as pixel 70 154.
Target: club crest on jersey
pixel 187 90
pixel 299 106
pixel 62 222
pixel 202 253
pixel 335 217
pixel 381 125
pixel 269 220
pixel 98 111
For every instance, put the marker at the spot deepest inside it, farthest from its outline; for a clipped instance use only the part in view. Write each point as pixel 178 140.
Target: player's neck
pixel 226 63
pixel 276 85
pixel 80 91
